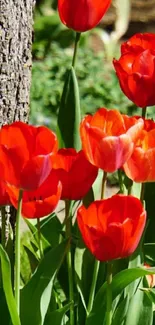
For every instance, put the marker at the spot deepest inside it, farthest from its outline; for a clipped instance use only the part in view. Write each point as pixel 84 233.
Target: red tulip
pixel 108 138
pixel 136 69
pixel 82 15
pixel 25 153
pixel 141 165
pixel 75 172
pixel 40 202
pixel 112 228
pixel 4 197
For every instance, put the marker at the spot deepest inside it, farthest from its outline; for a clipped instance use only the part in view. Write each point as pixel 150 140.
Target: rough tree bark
pixel 16 20
pixel 16 28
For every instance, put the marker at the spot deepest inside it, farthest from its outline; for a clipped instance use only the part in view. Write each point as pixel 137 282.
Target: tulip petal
pixel 35 172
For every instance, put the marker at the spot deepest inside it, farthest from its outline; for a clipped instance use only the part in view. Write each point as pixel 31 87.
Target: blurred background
pixel 52 54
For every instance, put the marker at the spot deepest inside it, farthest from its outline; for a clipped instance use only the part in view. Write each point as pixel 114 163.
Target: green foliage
pixel 98 85
pixel 7 286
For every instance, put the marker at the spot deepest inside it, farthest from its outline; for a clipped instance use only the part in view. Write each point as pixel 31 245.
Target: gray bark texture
pixel 16 23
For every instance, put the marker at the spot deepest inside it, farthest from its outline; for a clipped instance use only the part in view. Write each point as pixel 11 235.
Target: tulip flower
pixel 40 202
pixel 25 154
pixel 140 166
pixel 75 172
pixel 4 197
pixel 136 69
pixel 108 138
pixel 82 15
pixel 112 228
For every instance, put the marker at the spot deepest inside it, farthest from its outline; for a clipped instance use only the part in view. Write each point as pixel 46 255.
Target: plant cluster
pixel 93 264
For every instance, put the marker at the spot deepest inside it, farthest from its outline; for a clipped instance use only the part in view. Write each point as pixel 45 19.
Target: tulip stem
pixel 75 49
pixel 121 185
pixel 17 252
pixel 3 232
pixel 93 286
pixel 39 239
pixel 109 294
pixel 103 185
pixel 144 112
pixel 142 192
pixel 69 259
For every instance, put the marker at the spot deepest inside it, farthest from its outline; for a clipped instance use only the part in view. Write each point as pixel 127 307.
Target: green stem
pixel 3 232
pixel 75 49
pixel 103 185
pixel 121 185
pixel 17 252
pixel 142 192
pixel 39 239
pixel 144 112
pixel 109 294
pixel 97 263
pixel 93 286
pixel 69 260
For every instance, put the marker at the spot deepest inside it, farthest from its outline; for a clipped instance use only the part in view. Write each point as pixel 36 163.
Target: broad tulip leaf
pixel 7 286
pixel 120 282
pixel 51 228
pixel 69 115
pixel 120 312
pixel 35 296
pixel 56 317
pixel 140 311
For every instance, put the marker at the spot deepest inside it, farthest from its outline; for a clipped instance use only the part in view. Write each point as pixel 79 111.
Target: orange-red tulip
pixel 141 165
pixel 40 202
pixel 82 15
pixel 108 138
pixel 112 228
pixel 25 153
pixel 136 69
pixel 75 172
pixel 4 197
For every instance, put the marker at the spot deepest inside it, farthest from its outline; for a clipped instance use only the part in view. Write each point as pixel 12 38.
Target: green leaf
pixel 69 115
pixel 7 286
pixel 119 283
pixel 35 296
pixel 32 258
pixel 56 317
pixel 51 228
pixel 150 292
pixel 141 310
pixel 34 232
pixel 120 312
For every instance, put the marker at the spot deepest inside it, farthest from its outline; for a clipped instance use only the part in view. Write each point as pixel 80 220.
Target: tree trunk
pixel 16 19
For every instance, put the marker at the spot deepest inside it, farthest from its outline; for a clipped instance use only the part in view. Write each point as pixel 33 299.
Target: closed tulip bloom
pixel 40 202
pixel 75 172
pixel 25 154
pixel 108 138
pixel 136 69
pixel 112 228
pixel 82 15
pixel 141 165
